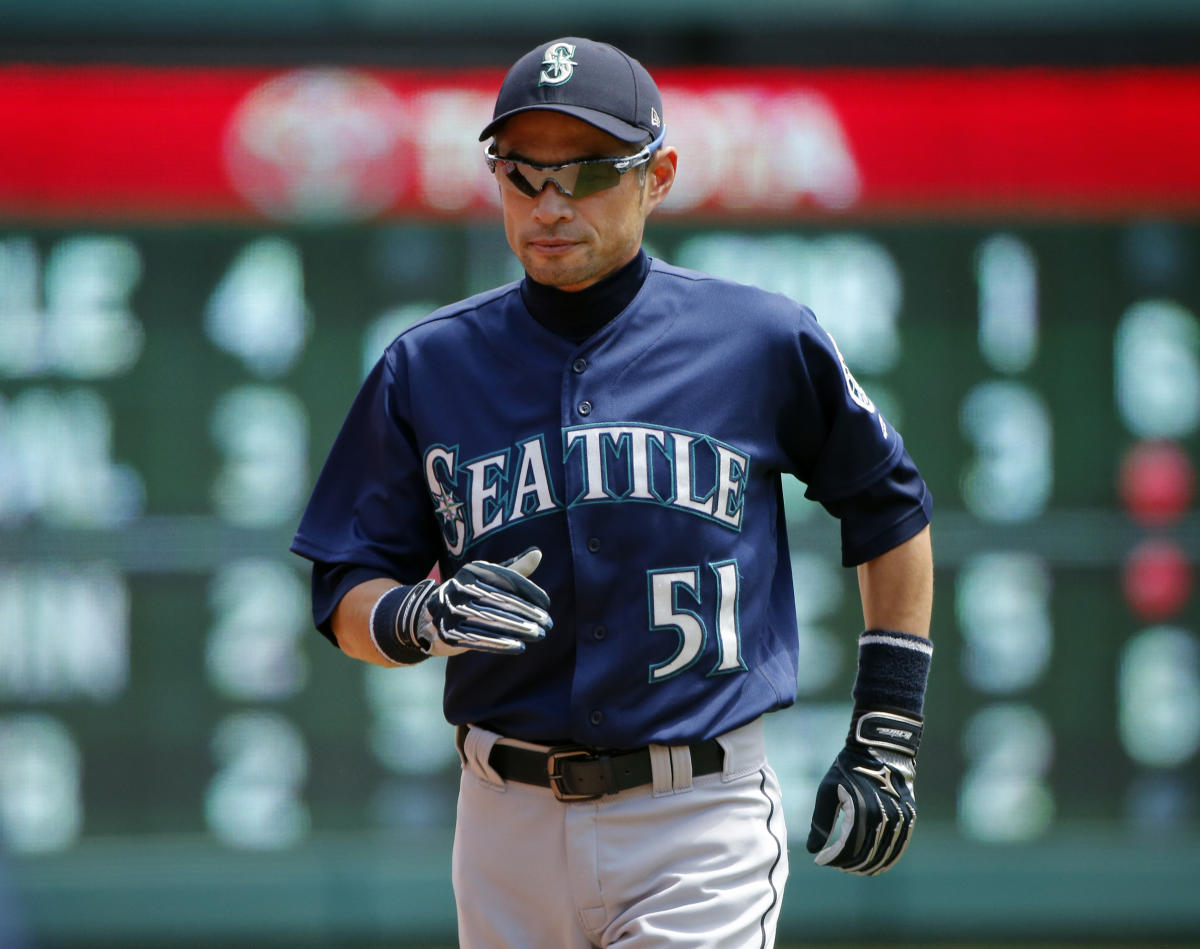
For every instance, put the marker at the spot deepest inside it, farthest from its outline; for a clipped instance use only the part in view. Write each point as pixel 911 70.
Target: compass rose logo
pixel 558 64
pixel 449 509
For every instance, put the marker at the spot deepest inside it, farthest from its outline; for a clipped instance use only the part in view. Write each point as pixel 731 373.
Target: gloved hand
pixel 866 804
pixel 485 606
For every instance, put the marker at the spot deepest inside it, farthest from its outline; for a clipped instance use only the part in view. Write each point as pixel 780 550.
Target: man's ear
pixel 661 176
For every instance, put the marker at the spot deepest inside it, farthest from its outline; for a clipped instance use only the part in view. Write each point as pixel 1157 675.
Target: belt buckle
pixel 553 771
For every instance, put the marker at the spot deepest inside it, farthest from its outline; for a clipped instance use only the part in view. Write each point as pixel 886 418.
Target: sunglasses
pixel 575 179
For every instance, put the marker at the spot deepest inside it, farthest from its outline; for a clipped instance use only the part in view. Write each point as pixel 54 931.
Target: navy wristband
pixel 385 628
pixel 893 670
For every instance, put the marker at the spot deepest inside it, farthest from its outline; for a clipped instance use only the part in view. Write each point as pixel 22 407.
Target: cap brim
pixel 602 120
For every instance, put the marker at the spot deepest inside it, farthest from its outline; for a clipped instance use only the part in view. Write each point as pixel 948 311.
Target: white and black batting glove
pixel 485 606
pixel 866 803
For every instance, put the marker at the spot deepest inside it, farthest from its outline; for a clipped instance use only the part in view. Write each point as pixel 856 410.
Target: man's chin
pixel 560 276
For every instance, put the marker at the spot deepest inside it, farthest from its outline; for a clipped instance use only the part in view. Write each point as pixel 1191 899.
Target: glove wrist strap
pixel 893 671
pixel 887 731
pixel 394 621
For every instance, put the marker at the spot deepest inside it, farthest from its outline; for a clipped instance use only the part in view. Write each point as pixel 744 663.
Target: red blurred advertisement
pixel 334 144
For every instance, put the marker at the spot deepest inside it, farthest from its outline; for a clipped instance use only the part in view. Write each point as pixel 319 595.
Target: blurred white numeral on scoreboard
pixel 1006 273
pixel 254 800
pixel 260 613
pixel 1004 796
pixel 1012 472
pixel 1159 692
pixel 41 804
pixel 1002 601
pixel 262 434
pixel 258 312
pixel 74 316
pixel 1157 362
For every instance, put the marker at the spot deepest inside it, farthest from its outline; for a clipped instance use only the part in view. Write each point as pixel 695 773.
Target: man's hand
pixel 866 804
pixel 485 606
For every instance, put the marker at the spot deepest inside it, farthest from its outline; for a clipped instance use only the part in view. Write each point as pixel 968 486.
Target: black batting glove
pixel 485 606
pixel 866 804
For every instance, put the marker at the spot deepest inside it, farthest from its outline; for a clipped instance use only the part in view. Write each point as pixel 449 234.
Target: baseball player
pixel 591 457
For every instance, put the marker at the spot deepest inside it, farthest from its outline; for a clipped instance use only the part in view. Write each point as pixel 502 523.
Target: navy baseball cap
pixel 592 81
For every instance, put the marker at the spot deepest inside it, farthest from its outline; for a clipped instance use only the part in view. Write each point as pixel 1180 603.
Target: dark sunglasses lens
pixel 595 177
pixel 575 180
pixel 531 181
pixel 522 183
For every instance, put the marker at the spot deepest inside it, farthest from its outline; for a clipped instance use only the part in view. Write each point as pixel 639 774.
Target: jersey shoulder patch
pixel 858 395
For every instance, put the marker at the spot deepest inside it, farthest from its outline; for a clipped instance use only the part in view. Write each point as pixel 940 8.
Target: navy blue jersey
pixel 645 463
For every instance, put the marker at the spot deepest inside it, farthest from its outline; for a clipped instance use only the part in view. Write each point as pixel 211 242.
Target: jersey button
pixel 585 408
pixel 579 365
pixel 596 717
pixel 594 544
pixel 599 633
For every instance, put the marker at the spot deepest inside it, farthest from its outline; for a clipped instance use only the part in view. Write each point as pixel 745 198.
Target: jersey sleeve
pixel 331 582
pixel 849 456
pixel 835 437
pixel 369 507
pixel 884 514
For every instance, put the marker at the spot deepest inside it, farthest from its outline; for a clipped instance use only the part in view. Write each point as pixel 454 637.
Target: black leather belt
pixel 575 773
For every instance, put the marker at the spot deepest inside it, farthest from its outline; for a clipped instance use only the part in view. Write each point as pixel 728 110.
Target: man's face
pixel 571 243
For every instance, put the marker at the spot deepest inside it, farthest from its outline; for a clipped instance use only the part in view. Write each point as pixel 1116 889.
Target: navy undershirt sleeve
pixel 331 582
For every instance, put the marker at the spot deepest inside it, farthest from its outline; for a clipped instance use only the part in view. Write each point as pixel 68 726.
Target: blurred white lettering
pixel 65 633
pixel 74 317
pixel 757 150
pixel 56 462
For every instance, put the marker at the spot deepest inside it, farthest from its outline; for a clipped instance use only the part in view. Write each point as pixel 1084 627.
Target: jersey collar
pixel 575 316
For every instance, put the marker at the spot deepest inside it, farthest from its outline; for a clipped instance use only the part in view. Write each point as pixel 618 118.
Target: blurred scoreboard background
pixel 198 267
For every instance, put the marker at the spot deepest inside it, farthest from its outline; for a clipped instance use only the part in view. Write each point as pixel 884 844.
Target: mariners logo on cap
pixel 557 65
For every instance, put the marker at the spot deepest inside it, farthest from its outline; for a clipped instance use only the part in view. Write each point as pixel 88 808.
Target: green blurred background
pixel 184 762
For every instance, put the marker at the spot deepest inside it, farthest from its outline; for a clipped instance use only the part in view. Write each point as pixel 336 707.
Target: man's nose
pixel 552 202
